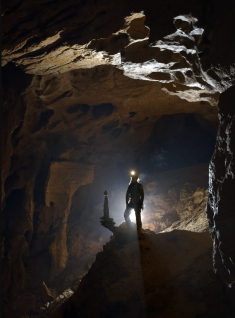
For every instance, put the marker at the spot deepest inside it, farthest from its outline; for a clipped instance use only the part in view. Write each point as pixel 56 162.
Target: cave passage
pixel 176 143
pixel 67 175
pixel 91 91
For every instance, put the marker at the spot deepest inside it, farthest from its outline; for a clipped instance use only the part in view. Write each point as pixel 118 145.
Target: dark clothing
pixel 134 200
pixel 135 194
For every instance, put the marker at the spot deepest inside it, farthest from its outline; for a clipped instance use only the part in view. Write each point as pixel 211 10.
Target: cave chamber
pixel 90 92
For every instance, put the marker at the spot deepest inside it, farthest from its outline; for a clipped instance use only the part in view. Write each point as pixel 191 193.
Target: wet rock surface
pixel 164 275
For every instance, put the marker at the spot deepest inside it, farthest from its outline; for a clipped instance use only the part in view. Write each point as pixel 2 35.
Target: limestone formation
pixel 172 61
pixel 221 200
pixel 92 89
pixel 65 178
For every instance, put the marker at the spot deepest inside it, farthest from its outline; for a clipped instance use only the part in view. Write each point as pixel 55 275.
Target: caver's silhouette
pixel 134 200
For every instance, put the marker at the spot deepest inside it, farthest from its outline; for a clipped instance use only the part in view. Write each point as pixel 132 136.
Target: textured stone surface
pixel 177 197
pixel 173 61
pixel 162 275
pixel 119 87
pixel 221 202
pixel 196 222
pixel 65 178
pixel 13 110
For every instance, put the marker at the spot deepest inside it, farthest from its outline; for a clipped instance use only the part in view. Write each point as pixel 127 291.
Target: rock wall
pixel 13 110
pixel 221 200
pixel 65 178
pixel 175 199
pixel 104 78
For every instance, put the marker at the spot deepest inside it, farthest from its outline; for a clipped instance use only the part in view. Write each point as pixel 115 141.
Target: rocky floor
pixel 153 275
pixel 197 222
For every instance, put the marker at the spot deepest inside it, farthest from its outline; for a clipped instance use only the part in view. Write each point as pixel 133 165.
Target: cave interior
pixel 90 91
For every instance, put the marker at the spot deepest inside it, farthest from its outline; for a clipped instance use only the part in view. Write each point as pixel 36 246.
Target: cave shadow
pixel 143 244
pixel 176 274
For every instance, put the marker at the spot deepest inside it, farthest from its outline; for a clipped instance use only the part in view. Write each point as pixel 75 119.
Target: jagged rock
pixel 177 197
pixel 151 277
pixel 221 199
pixel 196 222
pixel 185 23
pixel 172 61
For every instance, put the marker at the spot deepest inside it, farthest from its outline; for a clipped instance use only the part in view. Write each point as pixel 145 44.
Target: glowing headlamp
pixel 132 173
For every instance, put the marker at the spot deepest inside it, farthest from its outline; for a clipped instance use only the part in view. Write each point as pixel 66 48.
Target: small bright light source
pixel 132 173
pixel 132 216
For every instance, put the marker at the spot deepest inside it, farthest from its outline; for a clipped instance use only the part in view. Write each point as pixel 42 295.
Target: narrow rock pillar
pixel 106 205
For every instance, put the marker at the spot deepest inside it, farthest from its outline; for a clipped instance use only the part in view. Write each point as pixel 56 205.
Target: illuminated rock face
pixel 221 200
pixel 177 200
pixel 172 63
pixel 65 178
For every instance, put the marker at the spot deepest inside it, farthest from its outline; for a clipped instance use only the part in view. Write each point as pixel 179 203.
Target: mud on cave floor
pixel 155 275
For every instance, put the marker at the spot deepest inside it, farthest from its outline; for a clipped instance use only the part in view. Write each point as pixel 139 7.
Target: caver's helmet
pixel 134 174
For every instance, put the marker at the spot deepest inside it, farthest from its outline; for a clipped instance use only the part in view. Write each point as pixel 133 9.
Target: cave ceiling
pixel 96 36
pixel 101 71
pixel 110 89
